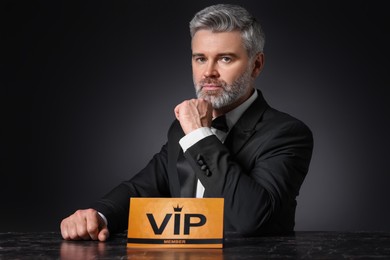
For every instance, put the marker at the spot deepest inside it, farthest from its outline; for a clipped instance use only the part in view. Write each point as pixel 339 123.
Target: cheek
pixel 229 76
pixel 232 74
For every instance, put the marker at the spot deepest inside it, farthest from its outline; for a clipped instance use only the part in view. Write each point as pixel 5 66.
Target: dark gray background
pixel 88 90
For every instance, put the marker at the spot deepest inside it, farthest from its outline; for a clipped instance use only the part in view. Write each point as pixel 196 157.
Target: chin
pixel 210 94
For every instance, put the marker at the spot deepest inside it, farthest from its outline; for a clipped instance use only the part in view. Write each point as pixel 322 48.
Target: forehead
pixel 208 42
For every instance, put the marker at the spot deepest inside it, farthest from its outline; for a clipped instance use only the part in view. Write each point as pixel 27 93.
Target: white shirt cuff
pixel 103 217
pixel 193 137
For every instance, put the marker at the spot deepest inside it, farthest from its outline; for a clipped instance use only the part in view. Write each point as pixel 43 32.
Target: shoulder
pixel 271 119
pixel 275 121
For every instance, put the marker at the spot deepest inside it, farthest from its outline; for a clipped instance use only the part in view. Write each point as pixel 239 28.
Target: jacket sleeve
pixel 260 182
pixel 149 182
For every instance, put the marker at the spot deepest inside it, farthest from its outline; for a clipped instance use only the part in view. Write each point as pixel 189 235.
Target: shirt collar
pixel 233 116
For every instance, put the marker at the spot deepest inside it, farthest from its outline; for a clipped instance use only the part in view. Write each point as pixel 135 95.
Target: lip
pixel 211 87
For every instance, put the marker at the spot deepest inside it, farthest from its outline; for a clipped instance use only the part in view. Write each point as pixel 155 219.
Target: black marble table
pixel 302 245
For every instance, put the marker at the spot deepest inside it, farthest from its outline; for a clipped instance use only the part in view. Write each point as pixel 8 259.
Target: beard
pixel 228 94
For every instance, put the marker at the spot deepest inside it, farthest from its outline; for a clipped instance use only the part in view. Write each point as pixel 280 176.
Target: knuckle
pixel 92 228
pixel 90 211
pixel 81 231
pixel 78 212
pixel 63 224
pixel 72 234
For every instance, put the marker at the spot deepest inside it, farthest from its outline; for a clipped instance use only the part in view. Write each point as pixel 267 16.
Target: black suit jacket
pixel 258 171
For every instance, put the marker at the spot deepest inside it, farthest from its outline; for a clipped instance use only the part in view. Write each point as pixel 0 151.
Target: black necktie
pixel 220 123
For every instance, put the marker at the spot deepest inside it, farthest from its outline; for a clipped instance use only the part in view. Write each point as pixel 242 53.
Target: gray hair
pixel 227 18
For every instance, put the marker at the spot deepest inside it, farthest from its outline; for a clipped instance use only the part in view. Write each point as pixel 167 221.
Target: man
pixel 257 165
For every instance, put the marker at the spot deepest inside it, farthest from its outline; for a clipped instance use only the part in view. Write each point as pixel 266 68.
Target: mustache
pixel 216 82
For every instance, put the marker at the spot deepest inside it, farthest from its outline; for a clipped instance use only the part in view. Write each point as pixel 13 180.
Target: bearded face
pixel 226 94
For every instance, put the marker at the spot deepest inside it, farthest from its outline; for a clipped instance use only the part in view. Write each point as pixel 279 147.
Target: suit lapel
pixel 236 139
pixel 246 125
pixel 174 150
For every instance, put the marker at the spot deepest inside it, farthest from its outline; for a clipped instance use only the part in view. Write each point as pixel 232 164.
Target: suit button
pixel 203 168
pixel 200 162
pixel 208 173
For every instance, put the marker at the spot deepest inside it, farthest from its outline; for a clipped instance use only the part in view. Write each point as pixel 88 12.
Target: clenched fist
pixel 193 114
pixel 84 224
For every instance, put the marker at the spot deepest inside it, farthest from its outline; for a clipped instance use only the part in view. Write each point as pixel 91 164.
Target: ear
pixel 258 64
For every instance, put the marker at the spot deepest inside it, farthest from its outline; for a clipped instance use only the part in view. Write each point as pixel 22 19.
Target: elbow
pixel 252 221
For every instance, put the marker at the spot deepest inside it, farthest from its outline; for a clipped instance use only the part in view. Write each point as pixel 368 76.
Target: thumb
pixel 176 110
pixel 104 234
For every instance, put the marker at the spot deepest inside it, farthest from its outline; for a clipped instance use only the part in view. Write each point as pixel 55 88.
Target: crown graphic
pixel 177 208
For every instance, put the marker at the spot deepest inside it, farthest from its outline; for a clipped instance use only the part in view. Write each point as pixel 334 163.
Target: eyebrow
pixel 197 54
pixel 218 55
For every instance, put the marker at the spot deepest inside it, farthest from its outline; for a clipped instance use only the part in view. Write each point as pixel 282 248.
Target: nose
pixel 211 70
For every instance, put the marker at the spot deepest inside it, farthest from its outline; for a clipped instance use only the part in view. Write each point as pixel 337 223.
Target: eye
pixel 200 59
pixel 226 59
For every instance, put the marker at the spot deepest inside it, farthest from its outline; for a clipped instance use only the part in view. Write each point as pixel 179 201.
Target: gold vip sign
pixel 175 223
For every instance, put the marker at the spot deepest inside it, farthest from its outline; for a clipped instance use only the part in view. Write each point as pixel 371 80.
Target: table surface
pixel 302 245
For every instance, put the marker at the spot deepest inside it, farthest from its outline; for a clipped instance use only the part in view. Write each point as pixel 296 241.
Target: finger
pixel 92 224
pixel 104 234
pixel 68 229
pixel 82 232
pixel 79 225
pixel 72 231
pixel 176 110
pixel 64 230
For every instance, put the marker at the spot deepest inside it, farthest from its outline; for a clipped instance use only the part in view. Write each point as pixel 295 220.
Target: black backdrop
pixel 88 90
